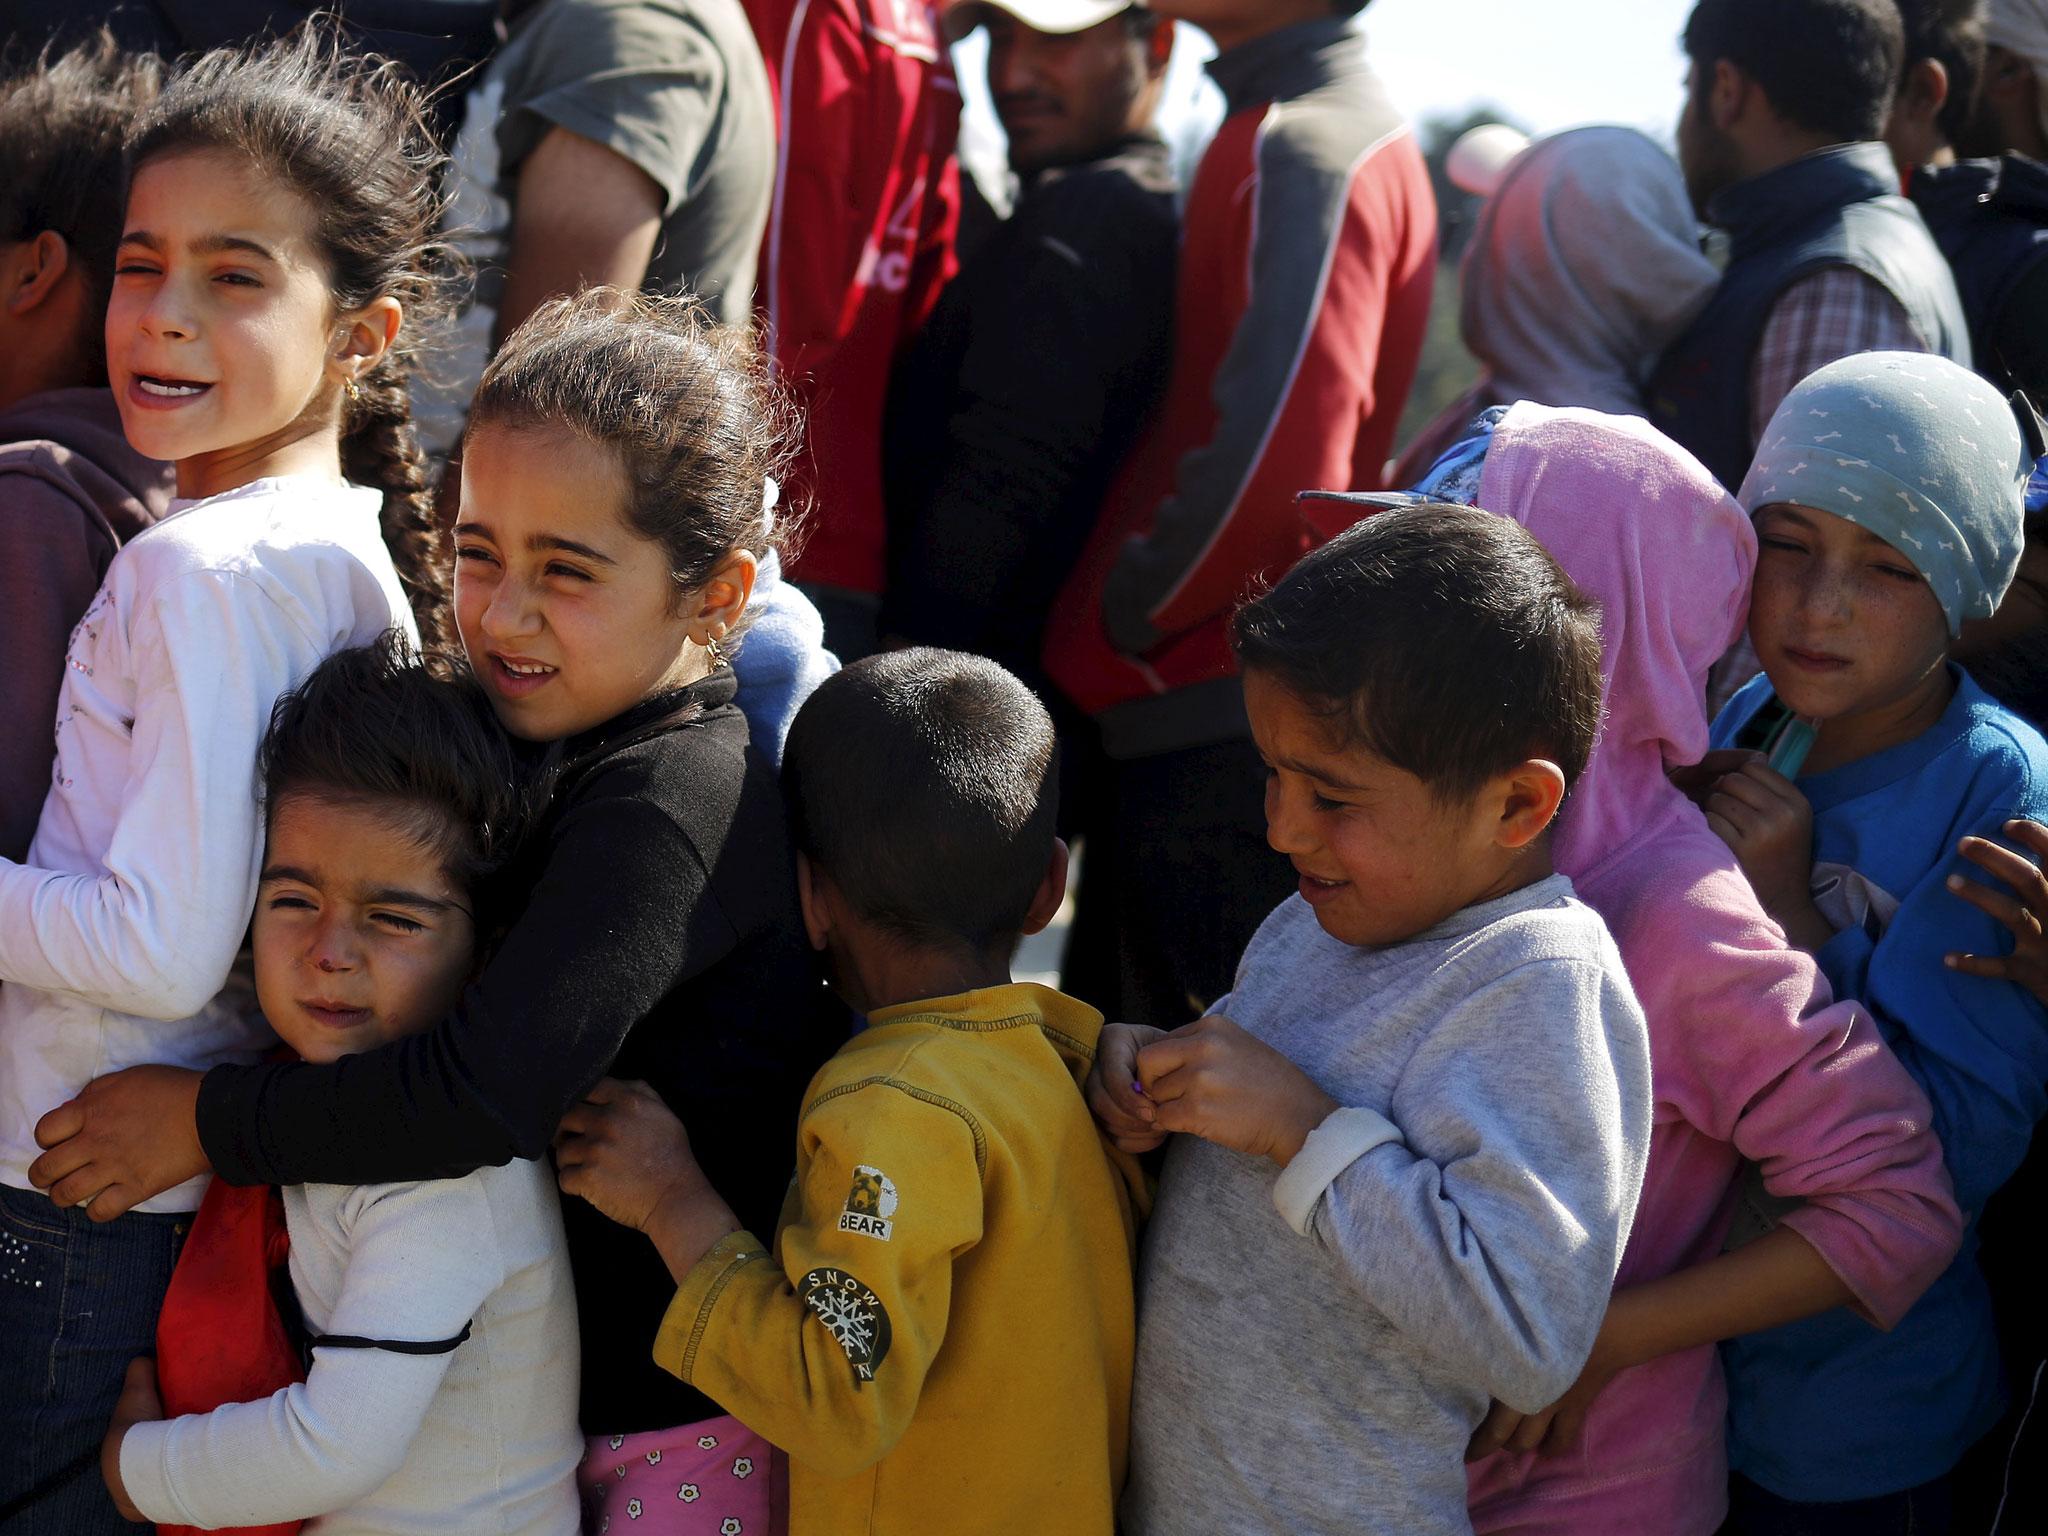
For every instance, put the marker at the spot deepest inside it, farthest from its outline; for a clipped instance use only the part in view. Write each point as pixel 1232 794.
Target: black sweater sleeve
pixel 618 917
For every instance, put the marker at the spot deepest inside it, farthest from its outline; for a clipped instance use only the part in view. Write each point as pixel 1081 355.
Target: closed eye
pixel 288 903
pixel 397 922
pixel 575 573
pixel 1897 574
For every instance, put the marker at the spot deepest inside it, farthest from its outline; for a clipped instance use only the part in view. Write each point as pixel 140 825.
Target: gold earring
pixel 717 651
pixel 355 392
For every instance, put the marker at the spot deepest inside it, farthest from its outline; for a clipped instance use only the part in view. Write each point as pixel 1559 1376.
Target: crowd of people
pixel 570 581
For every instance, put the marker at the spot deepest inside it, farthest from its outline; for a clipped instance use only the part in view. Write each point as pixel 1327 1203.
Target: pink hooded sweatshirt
pixel 1751 1057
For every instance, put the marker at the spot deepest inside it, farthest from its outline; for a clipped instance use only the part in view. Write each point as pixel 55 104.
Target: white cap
pixel 1480 158
pixel 1062 16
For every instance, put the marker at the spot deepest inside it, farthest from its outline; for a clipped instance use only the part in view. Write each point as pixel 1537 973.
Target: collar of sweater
pixel 1767 209
pixel 1289 62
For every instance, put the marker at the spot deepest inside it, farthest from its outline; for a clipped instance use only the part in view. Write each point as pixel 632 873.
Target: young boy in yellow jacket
pixel 942 1338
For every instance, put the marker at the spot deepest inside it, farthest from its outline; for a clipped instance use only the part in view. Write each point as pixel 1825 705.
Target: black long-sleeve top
pixel 1021 397
pixel 661 940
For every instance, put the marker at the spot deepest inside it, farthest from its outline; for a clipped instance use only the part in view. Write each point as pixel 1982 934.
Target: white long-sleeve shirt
pixel 118 934
pixel 480 1439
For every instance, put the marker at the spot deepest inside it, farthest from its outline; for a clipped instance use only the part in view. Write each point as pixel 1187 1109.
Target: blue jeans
pixel 78 1301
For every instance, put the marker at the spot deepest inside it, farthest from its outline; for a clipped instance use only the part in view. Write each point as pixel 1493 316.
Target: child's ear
pixel 1529 795
pixel 723 597
pixel 38 267
pixel 1052 890
pixel 365 336
pixel 810 897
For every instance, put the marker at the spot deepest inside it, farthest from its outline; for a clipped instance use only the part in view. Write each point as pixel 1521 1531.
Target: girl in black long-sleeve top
pixel 613 507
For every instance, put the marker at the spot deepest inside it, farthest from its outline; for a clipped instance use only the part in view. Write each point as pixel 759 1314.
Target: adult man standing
pixel 1989 215
pixel 1303 295
pixel 635 142
pixel 860 241
pixel 1046 354
pixel 1785 102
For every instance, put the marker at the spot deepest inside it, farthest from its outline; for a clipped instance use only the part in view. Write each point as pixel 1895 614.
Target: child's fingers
pixel 1113 1103
pixel 1530 1433
pixel 2013 869
pixel 59 1126
pixel 1493 1432
pixel 2029 834
pixel 1998 906
pixel 1990 967
pixel 1165 1057
pixel 1723 828
pixel 1138 1143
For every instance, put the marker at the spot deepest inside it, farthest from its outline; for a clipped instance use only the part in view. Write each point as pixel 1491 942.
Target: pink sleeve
pixel 1749 1045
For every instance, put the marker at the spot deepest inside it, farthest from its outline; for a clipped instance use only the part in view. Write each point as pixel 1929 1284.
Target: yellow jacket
pixel 943 1339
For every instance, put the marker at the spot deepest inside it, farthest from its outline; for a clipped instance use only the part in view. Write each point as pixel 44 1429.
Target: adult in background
pixel 2013 106
pixel 637 144
pixel 1988 213
pixel 860 242
pixel 1585 264
pixel 1308 253
pixel 1044 356
pixel 1778 140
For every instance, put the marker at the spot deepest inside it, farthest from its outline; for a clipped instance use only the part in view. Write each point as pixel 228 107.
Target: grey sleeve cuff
pixel 1341 1140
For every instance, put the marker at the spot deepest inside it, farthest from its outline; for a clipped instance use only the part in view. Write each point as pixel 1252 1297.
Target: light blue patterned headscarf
pixel 1920 451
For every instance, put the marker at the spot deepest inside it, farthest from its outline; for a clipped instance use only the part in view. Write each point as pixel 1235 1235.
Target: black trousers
pixel 1176 878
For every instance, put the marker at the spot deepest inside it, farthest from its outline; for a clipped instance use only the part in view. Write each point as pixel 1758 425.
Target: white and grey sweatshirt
pixel 1315 1349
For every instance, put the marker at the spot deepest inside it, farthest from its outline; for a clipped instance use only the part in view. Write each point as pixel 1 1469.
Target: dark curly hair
pixel 382 723
pixel 348 133
pixel 63 121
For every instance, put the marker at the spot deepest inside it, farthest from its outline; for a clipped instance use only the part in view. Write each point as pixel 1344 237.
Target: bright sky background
pixel 1547 63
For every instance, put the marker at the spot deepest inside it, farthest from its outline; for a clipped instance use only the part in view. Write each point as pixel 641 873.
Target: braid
pixel 381 449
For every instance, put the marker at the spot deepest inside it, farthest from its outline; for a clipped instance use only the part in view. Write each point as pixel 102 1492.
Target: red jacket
pixel 860 241
pixel 1308 255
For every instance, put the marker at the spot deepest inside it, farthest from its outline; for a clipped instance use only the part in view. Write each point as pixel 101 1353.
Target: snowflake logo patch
pixel 869 1204
pixel 853 1315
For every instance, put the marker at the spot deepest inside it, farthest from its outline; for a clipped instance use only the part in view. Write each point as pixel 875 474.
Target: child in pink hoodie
pixel 1751 1056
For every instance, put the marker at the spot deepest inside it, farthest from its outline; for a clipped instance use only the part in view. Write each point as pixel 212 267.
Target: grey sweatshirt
pixel 1329 1382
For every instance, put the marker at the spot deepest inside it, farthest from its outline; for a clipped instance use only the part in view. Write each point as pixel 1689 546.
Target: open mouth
pixel 515 676
pixel 1314 889
pixel 169 389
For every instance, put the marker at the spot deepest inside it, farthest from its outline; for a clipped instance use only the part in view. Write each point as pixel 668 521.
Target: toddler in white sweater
pixel 441 1395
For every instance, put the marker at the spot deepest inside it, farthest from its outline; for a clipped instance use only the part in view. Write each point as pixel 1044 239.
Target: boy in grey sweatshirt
pixel 1434 1042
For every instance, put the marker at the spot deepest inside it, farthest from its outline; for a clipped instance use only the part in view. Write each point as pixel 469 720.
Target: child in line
pixel 614 504
pixel 942 1339
pixel 269 271
pixel 1750 1055
pixel 1888 503
pixel 71 489
pixel 1434 1042
pixel 441 1314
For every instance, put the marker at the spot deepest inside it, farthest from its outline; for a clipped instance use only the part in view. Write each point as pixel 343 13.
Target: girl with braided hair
pixel 275 264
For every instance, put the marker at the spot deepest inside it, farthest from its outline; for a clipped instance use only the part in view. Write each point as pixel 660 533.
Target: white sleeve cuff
pixel 1341 1140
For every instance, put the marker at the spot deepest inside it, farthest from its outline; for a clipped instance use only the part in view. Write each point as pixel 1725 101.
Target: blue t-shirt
pixel 1831 1409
